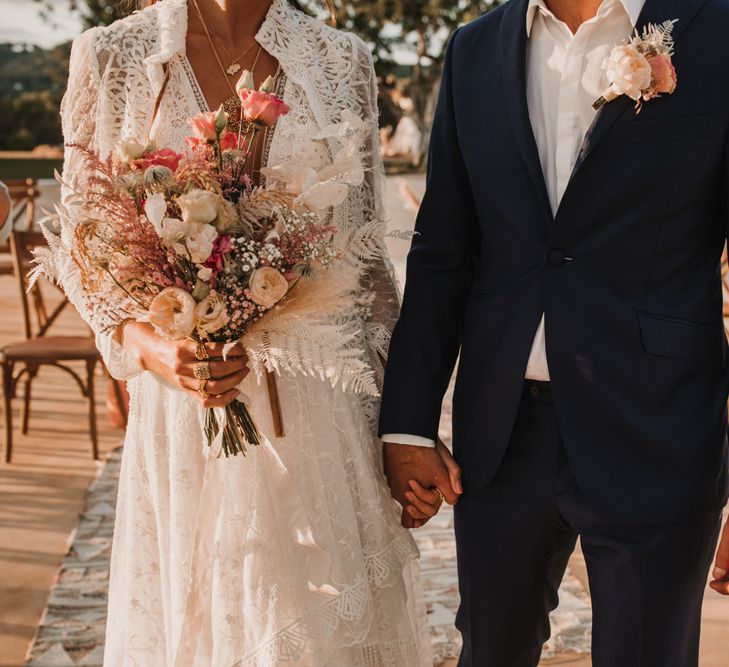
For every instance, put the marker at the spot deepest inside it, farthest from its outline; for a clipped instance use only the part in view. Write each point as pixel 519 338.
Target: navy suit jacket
pixel 627 274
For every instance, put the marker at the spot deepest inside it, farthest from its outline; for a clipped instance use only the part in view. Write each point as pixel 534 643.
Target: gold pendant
pixel 233 69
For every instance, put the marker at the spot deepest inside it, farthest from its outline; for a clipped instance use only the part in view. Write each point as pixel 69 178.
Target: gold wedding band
pixel 201 388
pixel 440 494
pixel 202 370
pixel 201 352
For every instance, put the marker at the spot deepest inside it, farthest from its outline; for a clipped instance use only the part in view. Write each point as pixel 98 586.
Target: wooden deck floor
pixel 43 490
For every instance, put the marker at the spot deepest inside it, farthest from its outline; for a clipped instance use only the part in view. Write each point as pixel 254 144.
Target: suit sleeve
pixel 440 267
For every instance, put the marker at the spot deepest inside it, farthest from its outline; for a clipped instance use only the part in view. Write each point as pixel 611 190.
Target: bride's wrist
pixel 134 338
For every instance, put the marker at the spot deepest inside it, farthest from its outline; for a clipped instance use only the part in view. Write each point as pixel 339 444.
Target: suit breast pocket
pixel 676 128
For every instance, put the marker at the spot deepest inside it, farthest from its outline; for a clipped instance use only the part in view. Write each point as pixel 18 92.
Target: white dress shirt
pixel 564 77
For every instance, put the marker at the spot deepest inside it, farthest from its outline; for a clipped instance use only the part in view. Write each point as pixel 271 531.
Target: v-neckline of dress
pixel 204 107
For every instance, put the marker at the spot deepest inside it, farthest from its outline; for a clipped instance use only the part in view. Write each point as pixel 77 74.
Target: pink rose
pixel 664 74
pixel 228 140
pixel 262 108
pixel 164 157
pixel 221 247
pixel 203 126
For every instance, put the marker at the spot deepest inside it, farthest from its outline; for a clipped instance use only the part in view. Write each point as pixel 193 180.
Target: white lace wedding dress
pixel 293 555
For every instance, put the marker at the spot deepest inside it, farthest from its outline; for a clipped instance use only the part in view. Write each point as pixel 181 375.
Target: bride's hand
pixel 175 361
pixel 426 503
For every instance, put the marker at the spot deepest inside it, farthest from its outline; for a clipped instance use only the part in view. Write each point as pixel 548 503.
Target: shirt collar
pixel 632 7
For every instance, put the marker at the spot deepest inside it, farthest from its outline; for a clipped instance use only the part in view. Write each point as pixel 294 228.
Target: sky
pixel 21 23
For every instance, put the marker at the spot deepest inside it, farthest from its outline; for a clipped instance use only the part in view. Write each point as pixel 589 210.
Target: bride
pixel 293 554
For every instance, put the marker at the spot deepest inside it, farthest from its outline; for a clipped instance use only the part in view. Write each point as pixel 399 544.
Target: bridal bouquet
pixel 188 244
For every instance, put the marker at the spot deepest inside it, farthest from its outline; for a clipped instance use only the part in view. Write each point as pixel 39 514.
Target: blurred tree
pixel 32 81
pixel 92 12
pixel 420 28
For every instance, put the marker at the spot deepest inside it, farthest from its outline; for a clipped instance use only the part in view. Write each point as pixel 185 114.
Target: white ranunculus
pixel 130 149
pixel 199 206
pixel 205 273
pixel 155 207
pixel 172 313
pixel 173 230
pixel 211 313
pixel 267 286
pixel 199 242
pixel 628 71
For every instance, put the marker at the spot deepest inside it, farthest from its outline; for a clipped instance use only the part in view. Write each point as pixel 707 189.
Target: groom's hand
pixel 408 467
pixel 721 572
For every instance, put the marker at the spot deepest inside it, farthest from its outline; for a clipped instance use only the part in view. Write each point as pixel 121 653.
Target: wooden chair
pixel 21 361
pixel 23 194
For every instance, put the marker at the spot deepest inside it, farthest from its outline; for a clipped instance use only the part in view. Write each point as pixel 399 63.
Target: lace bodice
pixel 116 73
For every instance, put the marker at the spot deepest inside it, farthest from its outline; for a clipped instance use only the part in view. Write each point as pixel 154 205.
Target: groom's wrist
pixel 408 439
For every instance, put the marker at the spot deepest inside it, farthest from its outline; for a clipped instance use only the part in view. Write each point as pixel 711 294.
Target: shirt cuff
pixel 405 439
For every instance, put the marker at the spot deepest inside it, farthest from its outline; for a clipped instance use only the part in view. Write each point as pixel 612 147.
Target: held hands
pixel 721 572
pixel 420 479
pixel 175 361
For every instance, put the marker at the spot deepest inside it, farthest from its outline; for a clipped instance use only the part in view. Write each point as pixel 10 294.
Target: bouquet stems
pixel 239 429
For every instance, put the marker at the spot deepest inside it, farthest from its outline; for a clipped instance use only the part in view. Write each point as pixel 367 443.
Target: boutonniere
pixel 641 68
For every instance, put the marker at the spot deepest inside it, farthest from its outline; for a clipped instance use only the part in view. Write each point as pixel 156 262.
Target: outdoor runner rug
pixel 71 633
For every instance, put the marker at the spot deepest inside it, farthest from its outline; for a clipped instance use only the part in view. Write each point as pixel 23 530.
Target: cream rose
pixel 628 72
pixel 267 287
pixel 211 313
pixel 199 242
pixel 199 206
pixel 129 149
pixel 172 313
pixel 173 231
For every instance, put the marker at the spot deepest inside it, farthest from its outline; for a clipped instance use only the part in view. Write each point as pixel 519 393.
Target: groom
pixel 572 259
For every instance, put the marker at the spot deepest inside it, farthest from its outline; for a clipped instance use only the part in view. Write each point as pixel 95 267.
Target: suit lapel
pixel 513 62
pixel 654 11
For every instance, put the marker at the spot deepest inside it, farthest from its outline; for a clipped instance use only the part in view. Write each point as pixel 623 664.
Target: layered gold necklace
pixel 231 105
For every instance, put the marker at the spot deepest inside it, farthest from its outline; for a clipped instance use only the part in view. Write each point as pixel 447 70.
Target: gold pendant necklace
pixel 232 106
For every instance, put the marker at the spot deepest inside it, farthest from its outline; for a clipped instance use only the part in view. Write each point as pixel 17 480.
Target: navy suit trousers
pixel 515 538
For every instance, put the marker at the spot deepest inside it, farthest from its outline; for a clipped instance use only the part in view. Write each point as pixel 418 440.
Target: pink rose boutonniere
pixel 642 69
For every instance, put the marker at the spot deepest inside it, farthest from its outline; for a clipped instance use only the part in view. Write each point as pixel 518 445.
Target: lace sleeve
pixel 380 282
pixel 79 113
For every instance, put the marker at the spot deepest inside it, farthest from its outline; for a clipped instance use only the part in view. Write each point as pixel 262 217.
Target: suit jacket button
pixel 556 257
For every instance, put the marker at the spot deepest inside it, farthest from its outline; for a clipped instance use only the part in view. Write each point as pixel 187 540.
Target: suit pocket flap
pixel 680 339
pixel 682 128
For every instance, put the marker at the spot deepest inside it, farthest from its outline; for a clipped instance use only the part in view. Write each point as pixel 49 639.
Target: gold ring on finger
pixel 440 494
pixel 201 352
pixel 202 370
pixel 201 388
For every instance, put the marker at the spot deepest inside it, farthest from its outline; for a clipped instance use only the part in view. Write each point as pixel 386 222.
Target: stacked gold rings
pixel 201 370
